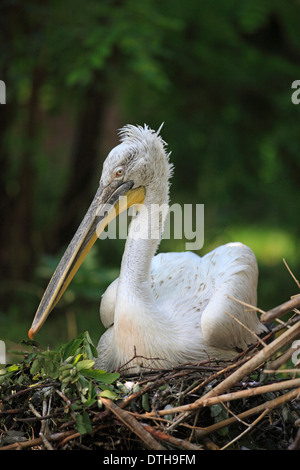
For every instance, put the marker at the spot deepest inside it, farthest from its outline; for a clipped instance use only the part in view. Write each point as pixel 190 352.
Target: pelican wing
pixel 199 290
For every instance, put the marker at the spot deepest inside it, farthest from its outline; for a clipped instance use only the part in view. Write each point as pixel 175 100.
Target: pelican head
pixel 135 169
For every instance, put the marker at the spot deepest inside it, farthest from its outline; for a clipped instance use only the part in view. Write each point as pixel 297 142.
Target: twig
pixel 132 424
pixel 281 310
pixel 46 442
pixel 217 374
pixel 269 405
pixel 14 411
pixel 212 400
pixel 283 358
pixel 34 411
pixel 257 360
pixel 246 430
pixel 27 390
pixel 182 443
pixel 290 271
pixel 146 389
pixel 37 441
pixel 281 371
pixel 66 400
pixel 252 364
pixel 76 434
pixel 136 356
pixel 233 414
pixel 252 307
pixel 55 413
pixel 296 443
pixel 246 328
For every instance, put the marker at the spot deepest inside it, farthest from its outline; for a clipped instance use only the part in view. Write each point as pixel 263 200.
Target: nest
pixel 246 403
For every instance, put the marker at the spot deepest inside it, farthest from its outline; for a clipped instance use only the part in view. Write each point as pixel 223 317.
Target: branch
pixel 246 430
pixel 269 405
pixel 132 424
pixel 182 443
pixel 260 358
pixel 281 309
pixel 274 387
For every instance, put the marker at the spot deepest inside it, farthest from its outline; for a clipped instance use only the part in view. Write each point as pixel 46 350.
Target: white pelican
pixel 167 309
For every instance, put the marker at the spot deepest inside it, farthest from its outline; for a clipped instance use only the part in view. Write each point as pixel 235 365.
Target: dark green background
pixel 217 73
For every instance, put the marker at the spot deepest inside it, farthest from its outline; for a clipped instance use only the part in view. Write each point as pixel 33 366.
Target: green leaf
pixel 108 394
pixel 80 424
pixel 101 375
pixel 70 348
pixel 13 368
pixel 87 422
pixel 85 364
pixel 35 367
pixel 77 358
pixel 145 402
pixel 83 423
pixel 84 383
pixel 216 409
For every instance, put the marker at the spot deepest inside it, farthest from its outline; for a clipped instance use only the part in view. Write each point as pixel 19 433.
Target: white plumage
pixel 171 308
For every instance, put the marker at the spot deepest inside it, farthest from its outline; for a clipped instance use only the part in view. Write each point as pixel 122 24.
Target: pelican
pixel 164 309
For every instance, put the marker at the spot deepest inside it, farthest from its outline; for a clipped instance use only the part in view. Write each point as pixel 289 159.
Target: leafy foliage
pixel 70 369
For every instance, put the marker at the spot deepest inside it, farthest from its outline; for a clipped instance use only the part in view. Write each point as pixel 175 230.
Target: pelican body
pixel 164 309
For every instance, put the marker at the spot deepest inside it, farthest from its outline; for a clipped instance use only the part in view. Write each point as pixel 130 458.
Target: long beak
pixel 105 206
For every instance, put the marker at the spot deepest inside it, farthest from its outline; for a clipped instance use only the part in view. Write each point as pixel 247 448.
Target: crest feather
pixel 136 134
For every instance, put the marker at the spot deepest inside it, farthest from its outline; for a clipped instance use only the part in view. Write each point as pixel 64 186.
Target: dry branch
pixel 181 443
pixel 249 428
pixel 209 401
pixel 37 441
pixel 280 310
pixel 269 405
pixel 260 358
pixel 132 424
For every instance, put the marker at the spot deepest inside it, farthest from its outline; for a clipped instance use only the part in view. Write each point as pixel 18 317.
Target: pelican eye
pixel 119 172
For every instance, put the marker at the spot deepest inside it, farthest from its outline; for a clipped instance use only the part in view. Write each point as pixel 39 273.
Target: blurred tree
pixel 79 49
pixel 217 73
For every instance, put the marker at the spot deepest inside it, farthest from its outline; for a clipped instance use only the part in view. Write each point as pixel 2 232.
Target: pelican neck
pixel 143 239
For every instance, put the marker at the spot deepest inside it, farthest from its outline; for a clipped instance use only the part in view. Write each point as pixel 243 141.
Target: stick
pixel 246 328
pixel 26 390
pixel 296 444
pixel 182 443
pixel 246 430
pixel 269 405
pixel 132 424
pixel 281 371
pixel 256 361
pixel 252 307
pixel 217 374
pixel 37 441
pixel 278 362
pixel 280 310
pixel 274 387
pixel 46 442
pixel 291 273
pixel 252 364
